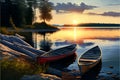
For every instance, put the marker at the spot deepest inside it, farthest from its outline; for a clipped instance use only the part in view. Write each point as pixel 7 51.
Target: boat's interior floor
pixel 91 56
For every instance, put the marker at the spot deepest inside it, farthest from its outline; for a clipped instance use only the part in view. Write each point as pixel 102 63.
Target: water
pixel 108 39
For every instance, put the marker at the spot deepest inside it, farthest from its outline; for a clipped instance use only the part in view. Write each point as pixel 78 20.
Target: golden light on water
pixel 75 34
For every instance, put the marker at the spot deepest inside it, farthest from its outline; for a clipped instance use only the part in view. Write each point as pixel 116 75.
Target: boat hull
pixel 42 60
pixel 93 72
pixel 85 68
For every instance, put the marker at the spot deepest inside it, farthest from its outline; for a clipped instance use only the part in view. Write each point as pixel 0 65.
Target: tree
pixel 30 15
pixel 45 10
pixel 12 10
pixel 18 12
pixel 5 13
pixel 23 12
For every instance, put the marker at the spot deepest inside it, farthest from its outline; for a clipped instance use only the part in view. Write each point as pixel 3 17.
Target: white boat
pixel 37 52
pixel 13 39
pixel 89 59
pixel 8 51
pixel 19 49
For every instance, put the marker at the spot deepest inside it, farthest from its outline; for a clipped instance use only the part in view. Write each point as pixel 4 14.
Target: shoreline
pixel 72 75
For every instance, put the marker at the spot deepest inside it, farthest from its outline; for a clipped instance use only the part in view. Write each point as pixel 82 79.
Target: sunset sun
pixel 75 22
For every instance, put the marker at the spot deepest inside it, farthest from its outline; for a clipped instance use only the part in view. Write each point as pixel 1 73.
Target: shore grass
pixel 40 26
pixel 4 30
pixel 16 68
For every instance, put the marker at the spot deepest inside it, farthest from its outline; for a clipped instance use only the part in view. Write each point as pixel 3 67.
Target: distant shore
pixel 93 25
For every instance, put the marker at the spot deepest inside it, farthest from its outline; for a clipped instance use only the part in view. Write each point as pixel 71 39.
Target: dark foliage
pixel 5 13
pixel 29 15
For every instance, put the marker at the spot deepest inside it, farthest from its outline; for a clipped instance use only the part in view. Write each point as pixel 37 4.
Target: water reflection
pixel 79 35
pixel 64 63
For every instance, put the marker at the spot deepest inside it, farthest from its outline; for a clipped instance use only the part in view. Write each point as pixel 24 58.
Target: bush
pixel 14 69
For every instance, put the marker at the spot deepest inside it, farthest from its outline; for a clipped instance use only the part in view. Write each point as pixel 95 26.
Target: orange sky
pixel 75 18
pixel 103 11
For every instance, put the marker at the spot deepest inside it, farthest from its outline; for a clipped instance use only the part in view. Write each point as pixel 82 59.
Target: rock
pixel 67 76
pixel 42 76
pixel 102 79
pixel 49 76
pixel 78 77
pixel 111 67
pixel 109 72
pixel 73 75
pixel 74 70
pixel 114 76
pixel 31 77
pixel 97 77
pixel 54 71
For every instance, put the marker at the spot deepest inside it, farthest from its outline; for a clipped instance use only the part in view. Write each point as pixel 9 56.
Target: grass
pixel 12 30
pixel 14 69
pixel 4 30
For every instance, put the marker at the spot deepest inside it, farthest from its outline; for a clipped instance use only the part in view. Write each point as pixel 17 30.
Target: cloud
pixel 110 13
pixel 117 4
pixel 114 14
pixel 72 7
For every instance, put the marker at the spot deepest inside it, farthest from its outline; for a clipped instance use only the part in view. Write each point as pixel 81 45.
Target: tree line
pixel 17 13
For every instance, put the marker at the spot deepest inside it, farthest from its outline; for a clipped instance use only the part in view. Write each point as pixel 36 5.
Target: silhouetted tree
pixel 45 10
pixel 31 10
pixel 5 7
pixel 29 14
pixel 18 12
pixel 12 10
pixel 22 12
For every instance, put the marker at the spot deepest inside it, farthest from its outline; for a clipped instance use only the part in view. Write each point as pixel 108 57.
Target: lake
pixel 108 39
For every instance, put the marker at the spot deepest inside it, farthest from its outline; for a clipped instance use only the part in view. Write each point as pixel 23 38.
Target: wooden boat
pixel 89 59
pixel 57 54
pixel 13 39
pixel 19 49
pixel 31 49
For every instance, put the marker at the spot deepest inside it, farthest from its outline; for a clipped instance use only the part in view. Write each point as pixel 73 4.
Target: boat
pixel 12 39
pixel 89 59
pixel 19 49
pixel 57 54
pixel 31 49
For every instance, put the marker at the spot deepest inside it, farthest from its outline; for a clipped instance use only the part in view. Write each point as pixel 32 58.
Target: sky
pixel 85 11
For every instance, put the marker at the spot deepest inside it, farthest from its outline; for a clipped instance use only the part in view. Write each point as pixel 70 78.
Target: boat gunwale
pixel 57 49
pixel 57 55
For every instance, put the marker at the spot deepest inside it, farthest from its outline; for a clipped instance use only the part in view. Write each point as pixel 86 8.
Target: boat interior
pixel 59 51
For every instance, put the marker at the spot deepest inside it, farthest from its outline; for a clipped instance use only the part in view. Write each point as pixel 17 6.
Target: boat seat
pixel 87 60
pixel 89 57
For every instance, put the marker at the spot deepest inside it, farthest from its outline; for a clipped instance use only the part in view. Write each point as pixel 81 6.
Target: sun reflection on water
pixel 78 35
pixel 75 34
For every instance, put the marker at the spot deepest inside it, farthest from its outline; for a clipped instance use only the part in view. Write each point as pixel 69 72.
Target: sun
pixel 75 22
